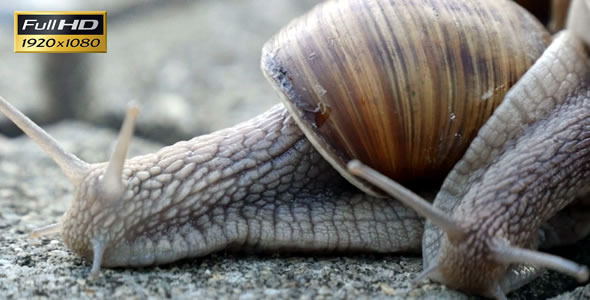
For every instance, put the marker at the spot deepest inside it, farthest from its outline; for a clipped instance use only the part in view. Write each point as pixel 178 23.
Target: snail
pixel 528 162
pixel 430 74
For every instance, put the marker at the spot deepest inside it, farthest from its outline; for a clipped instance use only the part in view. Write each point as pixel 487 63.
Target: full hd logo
pixel 72 24
pixel 73 31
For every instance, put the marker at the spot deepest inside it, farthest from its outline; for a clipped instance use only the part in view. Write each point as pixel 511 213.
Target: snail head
pixel 99 188
pixel 470 259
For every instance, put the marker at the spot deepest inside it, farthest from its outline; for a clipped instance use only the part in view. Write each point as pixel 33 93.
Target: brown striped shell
pixel 403 85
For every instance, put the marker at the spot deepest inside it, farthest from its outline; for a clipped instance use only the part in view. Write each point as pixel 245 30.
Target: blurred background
pixel 192 65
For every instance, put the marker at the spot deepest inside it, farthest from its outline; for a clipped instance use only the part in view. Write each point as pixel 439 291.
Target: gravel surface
pixel 33 193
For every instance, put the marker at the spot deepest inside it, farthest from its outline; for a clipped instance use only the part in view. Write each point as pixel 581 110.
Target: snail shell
pixel 401 85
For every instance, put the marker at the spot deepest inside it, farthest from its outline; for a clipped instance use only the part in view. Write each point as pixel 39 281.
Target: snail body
pixel 272 183
pixel 515 177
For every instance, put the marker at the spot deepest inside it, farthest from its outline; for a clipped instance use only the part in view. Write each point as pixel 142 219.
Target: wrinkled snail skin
pixel 259 185
pixel 505 197
pixel 528 162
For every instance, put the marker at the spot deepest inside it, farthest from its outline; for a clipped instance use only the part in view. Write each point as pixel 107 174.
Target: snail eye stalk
pixel 112 182
pixel 74 168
